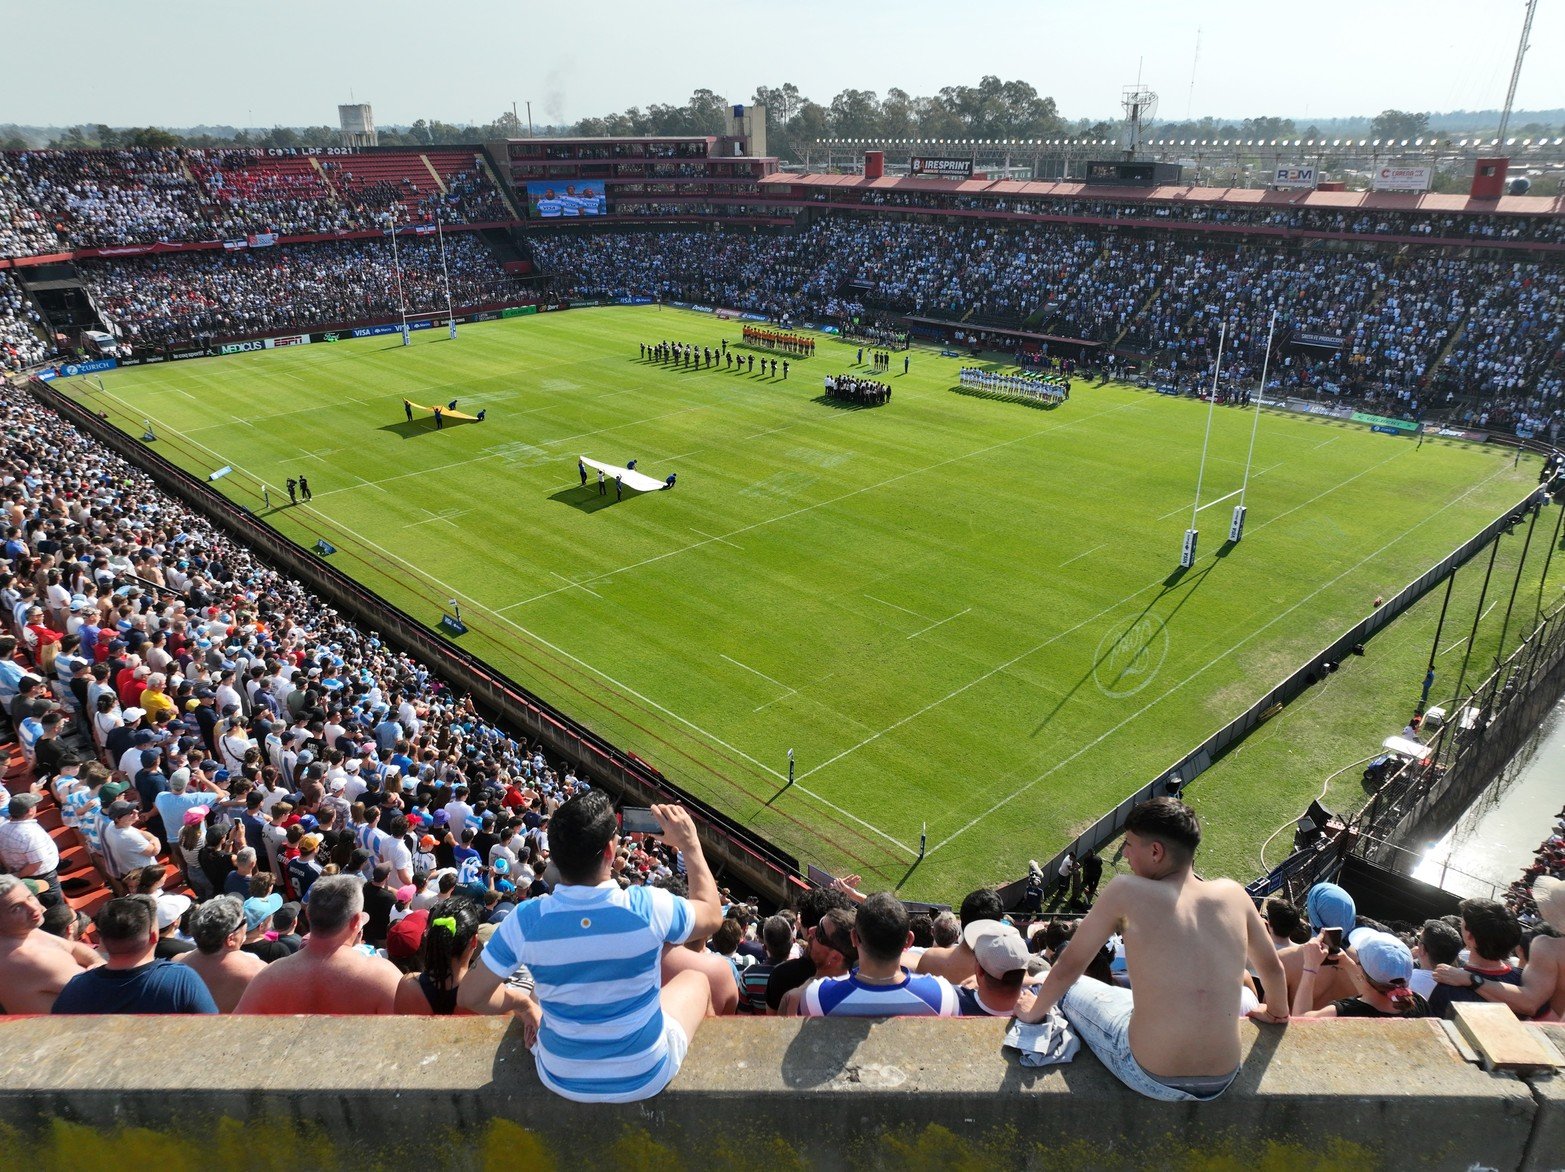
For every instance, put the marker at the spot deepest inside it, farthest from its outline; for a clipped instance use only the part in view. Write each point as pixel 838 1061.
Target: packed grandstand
pixel 1449 314
pixel 192 726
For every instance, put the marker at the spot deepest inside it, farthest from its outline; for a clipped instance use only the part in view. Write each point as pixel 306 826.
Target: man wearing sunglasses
pixel 878 986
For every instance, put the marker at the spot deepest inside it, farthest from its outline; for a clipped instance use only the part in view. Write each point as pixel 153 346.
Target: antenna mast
pixel 1516 70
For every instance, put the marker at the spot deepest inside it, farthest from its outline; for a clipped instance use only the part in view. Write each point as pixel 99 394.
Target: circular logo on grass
pixel 1130 655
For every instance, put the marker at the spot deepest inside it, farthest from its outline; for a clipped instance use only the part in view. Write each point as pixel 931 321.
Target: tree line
pixel 992 109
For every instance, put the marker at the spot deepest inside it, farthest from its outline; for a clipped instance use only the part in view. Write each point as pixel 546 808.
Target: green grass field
pixel 957 611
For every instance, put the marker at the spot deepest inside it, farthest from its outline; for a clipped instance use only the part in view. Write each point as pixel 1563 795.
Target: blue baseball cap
pixel 1384 959
pixel 1329 906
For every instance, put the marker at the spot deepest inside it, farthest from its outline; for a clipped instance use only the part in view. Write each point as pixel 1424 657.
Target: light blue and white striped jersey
pixel 915 995
pixel 595 954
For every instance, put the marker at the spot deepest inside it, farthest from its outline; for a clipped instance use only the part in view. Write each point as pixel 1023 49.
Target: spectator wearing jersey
pixel 879 986
pixel 604 1029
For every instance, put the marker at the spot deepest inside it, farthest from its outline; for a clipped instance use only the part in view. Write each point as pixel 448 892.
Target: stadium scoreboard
pixel 1119 173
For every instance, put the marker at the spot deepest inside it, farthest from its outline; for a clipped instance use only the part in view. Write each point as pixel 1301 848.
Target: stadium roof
pixel 1384 201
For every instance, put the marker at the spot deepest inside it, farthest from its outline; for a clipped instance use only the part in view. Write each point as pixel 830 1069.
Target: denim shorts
pixel 1101 1015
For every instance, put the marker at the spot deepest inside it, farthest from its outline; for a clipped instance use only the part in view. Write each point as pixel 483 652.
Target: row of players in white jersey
pixel 1051 387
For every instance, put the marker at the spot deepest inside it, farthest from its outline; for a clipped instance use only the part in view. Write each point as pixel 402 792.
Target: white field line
pixel 786 689
pixel 827 502
pixel 563 578
pixel 1219 500
pixel 1079 556
pixel 1200 670
pixel 453 592
pixel 713 536
pixel 941 623
pixel 921 617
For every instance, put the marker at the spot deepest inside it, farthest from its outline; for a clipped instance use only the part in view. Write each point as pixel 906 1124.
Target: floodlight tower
pixel 1516 71
pixel 1140 105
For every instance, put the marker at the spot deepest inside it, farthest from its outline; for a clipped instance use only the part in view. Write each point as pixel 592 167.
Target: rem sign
pixel 1294 177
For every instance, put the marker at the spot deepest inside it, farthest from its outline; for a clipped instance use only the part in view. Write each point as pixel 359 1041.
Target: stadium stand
pixel 53 200
pixel 174 662
pixel 1426 326
pixel 21 335
pixel 178 297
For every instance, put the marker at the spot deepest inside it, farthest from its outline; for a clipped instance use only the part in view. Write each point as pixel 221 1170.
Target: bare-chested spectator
pixel 218 928
pixel 955 962
pixel 34 965
pixel 329 974
pixel 1174 1034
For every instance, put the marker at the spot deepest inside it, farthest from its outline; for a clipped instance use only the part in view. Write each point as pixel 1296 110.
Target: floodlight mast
pixel 1516 72
pixel 1139 104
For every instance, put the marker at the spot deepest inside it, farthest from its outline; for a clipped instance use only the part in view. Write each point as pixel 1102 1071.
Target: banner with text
pixel 938 168
pixel 1294 177
pixel 1383 423
pixel 1404 178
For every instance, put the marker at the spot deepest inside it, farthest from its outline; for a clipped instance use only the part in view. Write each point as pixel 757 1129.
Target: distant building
pixel 358 125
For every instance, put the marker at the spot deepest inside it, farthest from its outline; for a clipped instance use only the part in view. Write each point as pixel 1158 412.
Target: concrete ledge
pixel 1547 1150
pixel 301 1093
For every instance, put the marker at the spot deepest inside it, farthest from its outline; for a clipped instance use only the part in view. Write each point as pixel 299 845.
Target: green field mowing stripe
pixel 957 611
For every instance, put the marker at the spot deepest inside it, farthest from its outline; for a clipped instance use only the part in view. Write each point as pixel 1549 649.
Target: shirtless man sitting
pixel 330 974
pixel 34 966
pixel 1186 940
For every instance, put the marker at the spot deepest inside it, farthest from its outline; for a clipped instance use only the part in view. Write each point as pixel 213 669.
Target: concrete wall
pixel 351 1093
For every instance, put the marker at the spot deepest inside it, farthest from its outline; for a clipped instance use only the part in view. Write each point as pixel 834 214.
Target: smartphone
pixel 1333 944
pixel 638 820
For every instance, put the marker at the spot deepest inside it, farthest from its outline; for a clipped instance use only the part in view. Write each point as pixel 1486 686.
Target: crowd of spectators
pixel 110 197
pixel 22 334
pixel 179 297
pixel 1548 862
pixel 1345 221
pixel 294 817
pixel 54 200
pixel 219 740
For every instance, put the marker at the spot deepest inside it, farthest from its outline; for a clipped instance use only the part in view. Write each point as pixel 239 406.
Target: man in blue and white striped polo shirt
pixel 600 1024
pixel 880 986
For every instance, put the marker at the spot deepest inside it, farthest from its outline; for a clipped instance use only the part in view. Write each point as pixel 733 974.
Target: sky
pixel 289 63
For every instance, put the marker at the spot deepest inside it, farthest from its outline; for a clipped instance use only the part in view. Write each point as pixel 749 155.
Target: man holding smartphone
pixel 597 1031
